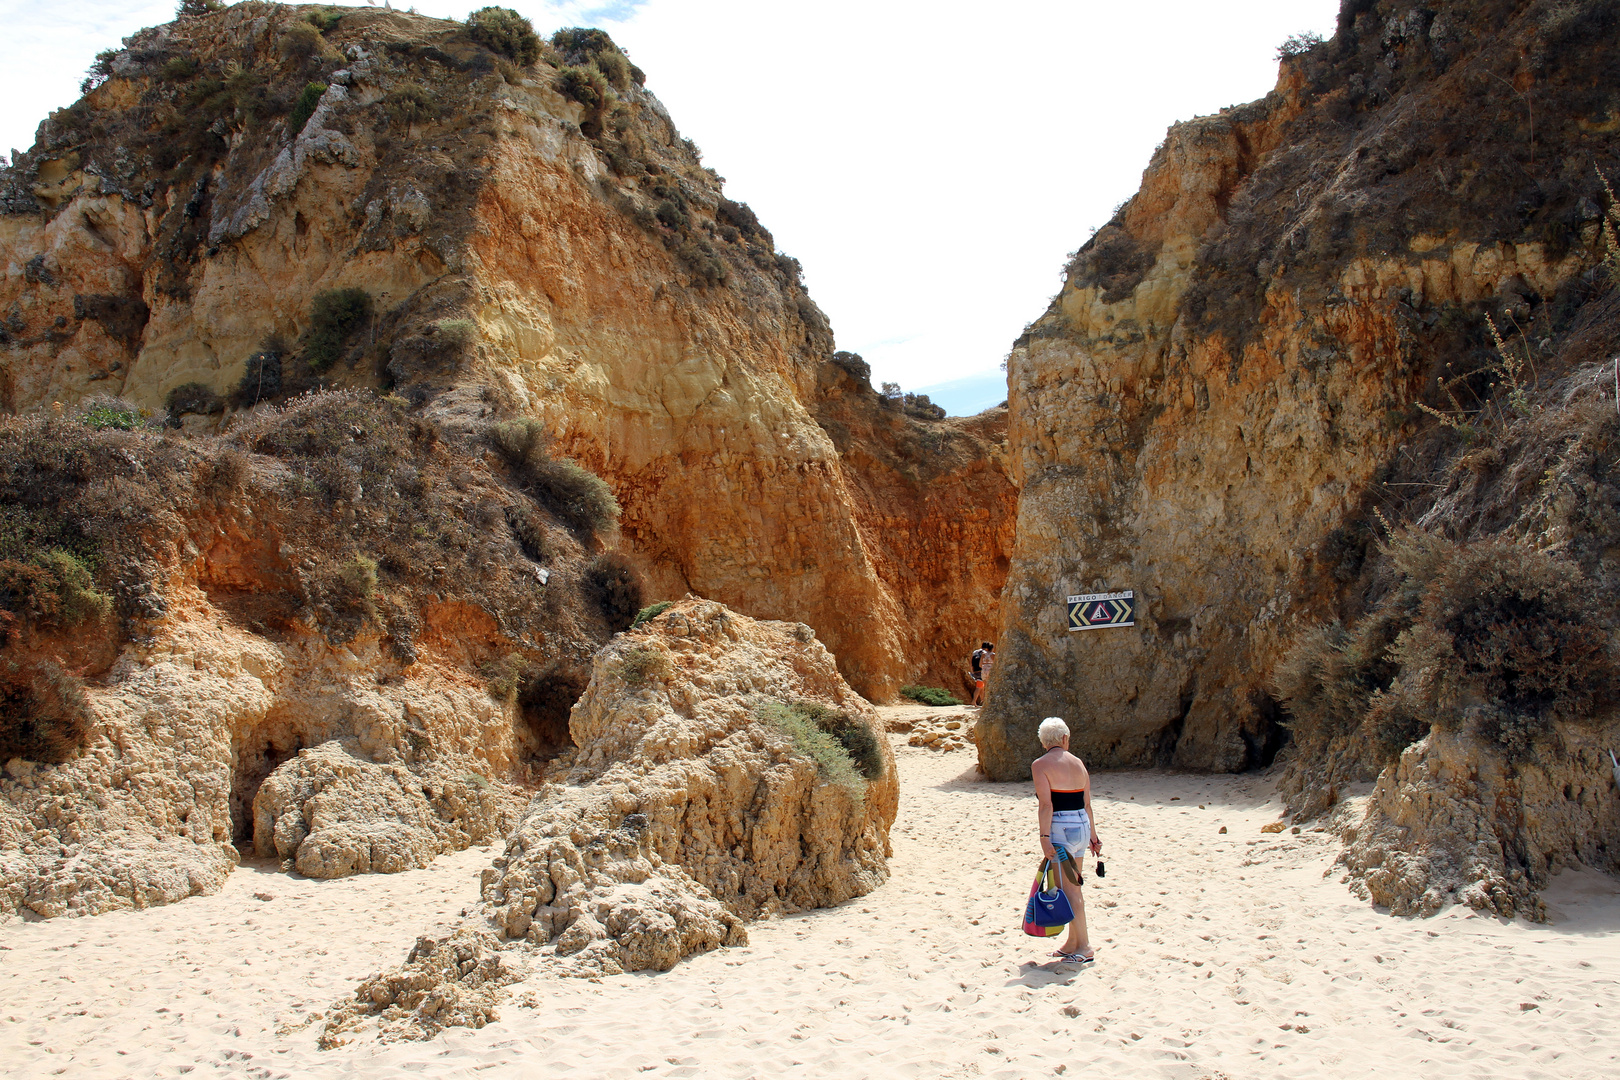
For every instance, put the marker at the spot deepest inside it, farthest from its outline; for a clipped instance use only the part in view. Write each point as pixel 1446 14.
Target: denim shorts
pixel 1071 829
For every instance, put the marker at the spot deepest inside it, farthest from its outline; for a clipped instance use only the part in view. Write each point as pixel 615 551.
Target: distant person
pixel 1063 787
pixel 984 657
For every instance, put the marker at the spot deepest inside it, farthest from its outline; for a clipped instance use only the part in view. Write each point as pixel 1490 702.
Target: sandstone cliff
pixel 532 240
pixel 724 771
pixel 1228 382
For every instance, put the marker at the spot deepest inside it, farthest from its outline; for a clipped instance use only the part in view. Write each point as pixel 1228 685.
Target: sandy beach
pixel 1217 956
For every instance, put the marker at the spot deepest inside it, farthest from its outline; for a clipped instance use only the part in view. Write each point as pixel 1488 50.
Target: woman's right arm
pixel 1043 793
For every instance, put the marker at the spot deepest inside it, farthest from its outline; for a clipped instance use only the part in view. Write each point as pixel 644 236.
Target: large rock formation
pixel 535 241
pixel 724 771
pixel 688 809
pixel 1213 404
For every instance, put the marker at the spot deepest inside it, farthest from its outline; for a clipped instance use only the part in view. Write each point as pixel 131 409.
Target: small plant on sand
pixel 930 695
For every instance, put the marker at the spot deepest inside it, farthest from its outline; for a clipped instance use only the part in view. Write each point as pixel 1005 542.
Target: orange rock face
pixel 609 289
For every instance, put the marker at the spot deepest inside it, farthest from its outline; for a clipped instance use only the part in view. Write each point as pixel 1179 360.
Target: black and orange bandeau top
pixel 1068 800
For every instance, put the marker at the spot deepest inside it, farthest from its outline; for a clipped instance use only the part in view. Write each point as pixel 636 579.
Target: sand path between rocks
pixel 1218 956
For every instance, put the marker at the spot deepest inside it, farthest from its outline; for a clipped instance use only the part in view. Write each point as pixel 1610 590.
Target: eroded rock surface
pixel 688 813
pixel 332 812
pixel 1450 823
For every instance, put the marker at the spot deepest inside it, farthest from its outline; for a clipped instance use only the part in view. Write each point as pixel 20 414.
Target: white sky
pixel 930 163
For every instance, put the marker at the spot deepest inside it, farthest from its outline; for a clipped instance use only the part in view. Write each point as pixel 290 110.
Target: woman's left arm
pixel 1091 813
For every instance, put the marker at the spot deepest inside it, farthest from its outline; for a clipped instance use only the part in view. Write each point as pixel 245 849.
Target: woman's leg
pixel 1077 939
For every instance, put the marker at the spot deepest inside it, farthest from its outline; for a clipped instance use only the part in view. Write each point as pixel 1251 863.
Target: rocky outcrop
pixel 689 811
pixel 332 811
pixel 723 772
pixel 1214 403
pixel 281 662
pixel 1452 822
pixel 532 246
pixel 450 982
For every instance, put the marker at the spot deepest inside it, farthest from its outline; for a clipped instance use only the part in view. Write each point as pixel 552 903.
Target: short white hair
pixel 1053 731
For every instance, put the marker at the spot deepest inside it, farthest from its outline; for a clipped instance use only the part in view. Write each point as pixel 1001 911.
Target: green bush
pixel 261 377
pixel 179 68
pixel 1298 44
pixel 105 414
pixel 930 695
pixel 587 86
pixel 44 714
pixel 308 98
pixel 504 31
pixel 651 612
pixel 803 723
pixel 334 317
pixel 53 588
pixel 191 9
pixel 616 585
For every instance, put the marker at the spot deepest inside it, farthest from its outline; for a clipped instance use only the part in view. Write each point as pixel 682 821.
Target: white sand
pixel 1218 956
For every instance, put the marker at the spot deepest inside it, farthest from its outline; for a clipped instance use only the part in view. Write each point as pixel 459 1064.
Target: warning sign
pixel 1095 611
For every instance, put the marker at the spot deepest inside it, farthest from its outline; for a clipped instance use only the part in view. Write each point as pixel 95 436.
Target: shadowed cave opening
pixel 256 755
pixel 1265 744
pixel 544 702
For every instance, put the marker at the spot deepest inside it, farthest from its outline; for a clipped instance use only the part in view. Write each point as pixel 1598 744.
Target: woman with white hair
pixel 1068 821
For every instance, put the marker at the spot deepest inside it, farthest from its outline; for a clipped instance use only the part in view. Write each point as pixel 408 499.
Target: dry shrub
pixel 641 665
pixel 44 714
pixel 530 530
pixel 410 104
pixel 1491 633
pixel 615 584
pixel 504 31
pixel 562 486
pixel 192 397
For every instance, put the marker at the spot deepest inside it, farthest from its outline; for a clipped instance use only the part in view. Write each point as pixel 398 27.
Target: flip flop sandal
pixel 1076 958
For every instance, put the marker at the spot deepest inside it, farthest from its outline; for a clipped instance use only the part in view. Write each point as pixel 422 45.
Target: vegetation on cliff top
pixel 372 513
